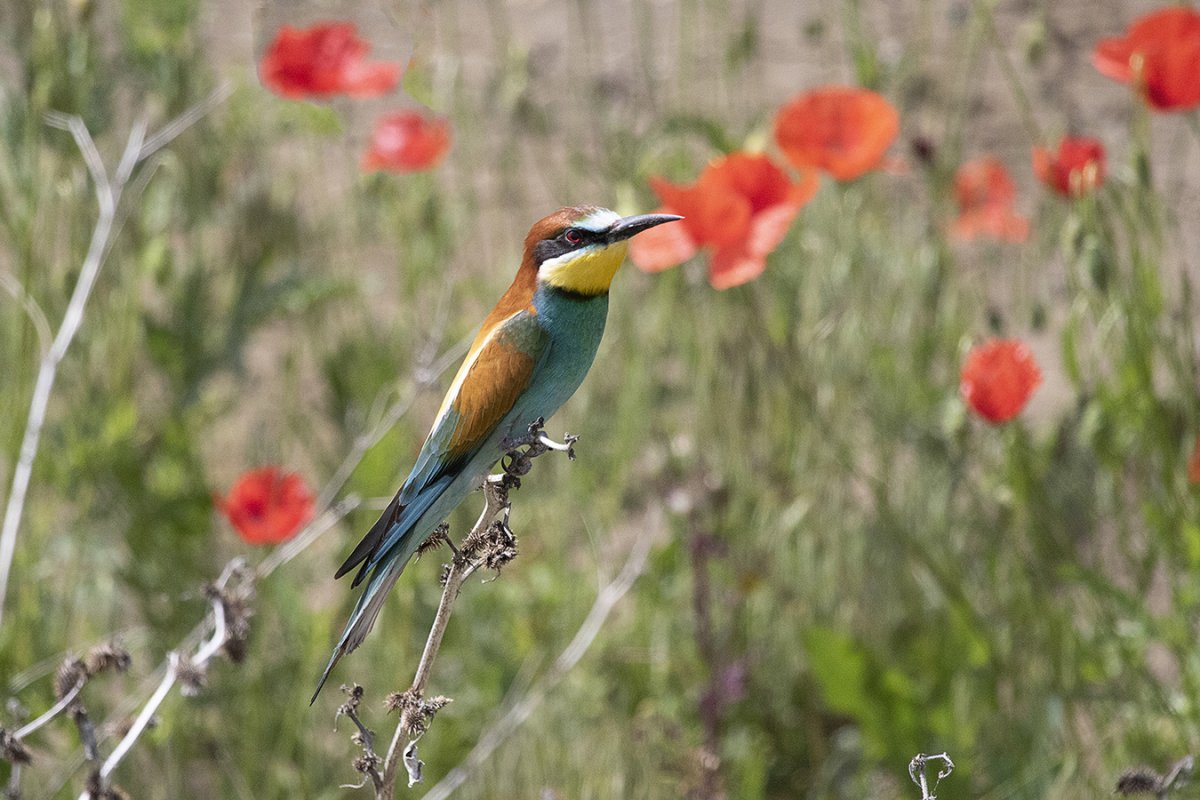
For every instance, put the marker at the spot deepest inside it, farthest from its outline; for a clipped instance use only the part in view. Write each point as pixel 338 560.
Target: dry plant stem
pixel 51 713
pixel 108 197
pixel 313 530
pixel 332 515
pixel 203 655
pixel 1180 770
pixel 461 568
pixel 33 311
pixel 523 708
pixel 917 769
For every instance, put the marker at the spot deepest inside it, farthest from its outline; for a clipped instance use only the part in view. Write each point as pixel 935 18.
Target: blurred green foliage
pixel 848 569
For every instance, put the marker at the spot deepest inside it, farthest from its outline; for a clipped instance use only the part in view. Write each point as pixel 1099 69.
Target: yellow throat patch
pixel 589 271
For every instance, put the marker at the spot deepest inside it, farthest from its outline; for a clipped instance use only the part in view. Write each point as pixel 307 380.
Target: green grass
pixel 888 574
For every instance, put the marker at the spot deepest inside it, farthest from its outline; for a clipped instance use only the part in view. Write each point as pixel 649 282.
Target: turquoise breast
pixel 575 324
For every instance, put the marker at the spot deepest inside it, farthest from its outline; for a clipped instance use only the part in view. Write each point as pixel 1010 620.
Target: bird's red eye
pixel 572 236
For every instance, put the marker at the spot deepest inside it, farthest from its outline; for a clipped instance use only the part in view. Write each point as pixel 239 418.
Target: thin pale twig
pixel 174 661
pixel 143 719
pixel 523 708
pixel 187 119
pixel 52 712
pixel 48 369
pixel 358 450
pixel 33 311
pixel 108 198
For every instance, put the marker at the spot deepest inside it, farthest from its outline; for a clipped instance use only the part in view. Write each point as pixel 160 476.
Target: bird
pixel 530 355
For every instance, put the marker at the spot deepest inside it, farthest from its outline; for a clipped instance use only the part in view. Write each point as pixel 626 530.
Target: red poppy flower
pixel 997 379
pixel 267 506
pixel 407 141
pixel 839 129
pixel 985 195
pixel 1075 170
pixel 741 207
pixel 1160 54
pixel 1193 470
pixel 324 60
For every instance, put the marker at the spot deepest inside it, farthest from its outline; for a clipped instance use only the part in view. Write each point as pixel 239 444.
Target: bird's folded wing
pixel 497 371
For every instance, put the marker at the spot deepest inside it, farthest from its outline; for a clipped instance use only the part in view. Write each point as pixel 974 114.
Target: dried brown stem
pixel 917 769
pixel 414 713
pixel 490 544
pixel 188 671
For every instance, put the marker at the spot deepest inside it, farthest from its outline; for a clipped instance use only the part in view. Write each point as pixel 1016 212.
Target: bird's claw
pixel 567 445
pixel 535 442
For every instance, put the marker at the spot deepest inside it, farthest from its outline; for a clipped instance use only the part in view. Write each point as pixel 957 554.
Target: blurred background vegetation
pixel 847 568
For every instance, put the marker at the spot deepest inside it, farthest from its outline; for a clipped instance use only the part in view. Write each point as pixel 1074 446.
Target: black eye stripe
pixel 554 247
pixel 547 249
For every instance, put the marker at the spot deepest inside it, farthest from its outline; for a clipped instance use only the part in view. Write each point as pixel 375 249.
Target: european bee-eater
pixel 529 357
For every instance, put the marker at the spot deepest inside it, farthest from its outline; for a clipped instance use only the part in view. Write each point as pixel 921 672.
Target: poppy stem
pixel 1024 106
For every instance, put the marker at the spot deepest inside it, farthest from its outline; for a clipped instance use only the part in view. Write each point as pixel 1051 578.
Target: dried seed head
pixel 501 546
pixel 235 597
pixel 433 705
pixel 366 762
pixel 399 701
pixel 354 695
pixel 238 614
pixel 97 790
pixel 12 749
pixel 107 656
pixel 1139 780
pixel 70 673
pixel 235 650
pixel 422 714
pixel 440 536
pixel 192 677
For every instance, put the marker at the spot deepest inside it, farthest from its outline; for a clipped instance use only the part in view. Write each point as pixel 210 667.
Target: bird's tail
pixel 363 617
pixel 381 557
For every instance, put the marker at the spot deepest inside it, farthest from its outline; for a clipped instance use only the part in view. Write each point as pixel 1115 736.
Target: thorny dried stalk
pixel 916 771
pixel 368 763
pixel 70 678
pixel 490 544
pixel 329 518
pixel 1146 781
pixel 229 600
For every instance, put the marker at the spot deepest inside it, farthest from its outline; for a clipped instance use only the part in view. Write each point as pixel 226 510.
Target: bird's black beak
pixel 632 226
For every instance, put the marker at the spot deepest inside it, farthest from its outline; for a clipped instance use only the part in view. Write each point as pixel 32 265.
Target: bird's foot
pixel 567 445
pixel 535 441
